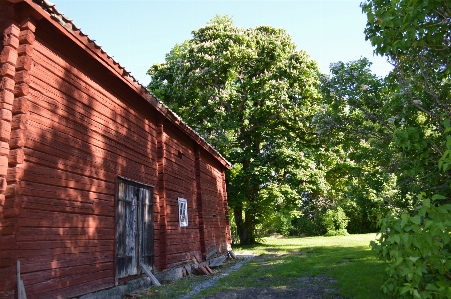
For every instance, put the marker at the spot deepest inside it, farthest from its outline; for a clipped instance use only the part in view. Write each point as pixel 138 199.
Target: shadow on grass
pixel 357 273
pixel 323 267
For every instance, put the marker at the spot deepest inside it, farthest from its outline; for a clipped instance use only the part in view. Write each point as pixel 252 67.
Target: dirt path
pixel 212 282
pixel 318 287
pixel 305 288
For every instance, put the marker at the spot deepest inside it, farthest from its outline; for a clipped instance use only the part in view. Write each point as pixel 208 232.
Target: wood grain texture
pixel 67 134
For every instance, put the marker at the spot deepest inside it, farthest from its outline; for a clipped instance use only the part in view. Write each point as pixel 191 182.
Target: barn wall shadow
pixel 79 136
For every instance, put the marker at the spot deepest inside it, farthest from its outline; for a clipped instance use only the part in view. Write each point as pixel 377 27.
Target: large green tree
pixel 252 95
pixel 415 37
pixel 358 117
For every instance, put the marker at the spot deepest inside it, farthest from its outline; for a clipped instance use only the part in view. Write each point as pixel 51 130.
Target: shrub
pixel 335 222
pixel 279 222
pixel 417 250
pixel 306 226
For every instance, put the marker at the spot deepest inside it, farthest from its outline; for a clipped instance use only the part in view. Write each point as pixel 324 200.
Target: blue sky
pixel 139 33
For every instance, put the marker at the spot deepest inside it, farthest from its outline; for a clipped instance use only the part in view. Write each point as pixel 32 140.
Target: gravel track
pixel 212 281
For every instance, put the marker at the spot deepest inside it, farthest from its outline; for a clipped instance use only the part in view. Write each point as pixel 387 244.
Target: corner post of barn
pixel 8 220
pixel 228 234
pixel 15 62
pixel 200 213
pixel 161 199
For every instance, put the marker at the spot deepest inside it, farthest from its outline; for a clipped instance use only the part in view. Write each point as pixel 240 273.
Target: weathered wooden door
pixel 134 228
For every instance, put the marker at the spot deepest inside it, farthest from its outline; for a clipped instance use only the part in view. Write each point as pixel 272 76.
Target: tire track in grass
pixel 212 282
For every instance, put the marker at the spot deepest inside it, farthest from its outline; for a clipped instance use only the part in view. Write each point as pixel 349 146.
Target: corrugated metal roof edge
pixel 70 28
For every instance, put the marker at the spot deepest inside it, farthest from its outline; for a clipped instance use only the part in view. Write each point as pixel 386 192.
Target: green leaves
pixel 358 117
pixel 398 27
pixel 335 221
pixel 414 35
pixel 418 254
pixel 444 162
pixel 252 95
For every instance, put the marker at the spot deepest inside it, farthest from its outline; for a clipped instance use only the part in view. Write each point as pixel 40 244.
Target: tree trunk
pixel 249 226
pixel 245 228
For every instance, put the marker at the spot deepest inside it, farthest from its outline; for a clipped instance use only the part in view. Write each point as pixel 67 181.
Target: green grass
pixel 348 259
pixel 282 261
pixel 169 290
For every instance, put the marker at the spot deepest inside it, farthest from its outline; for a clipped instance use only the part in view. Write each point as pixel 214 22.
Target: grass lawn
pixel 283 261
pixel 348 259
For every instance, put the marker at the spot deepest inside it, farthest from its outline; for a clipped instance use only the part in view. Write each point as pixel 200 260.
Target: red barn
pixel 97 176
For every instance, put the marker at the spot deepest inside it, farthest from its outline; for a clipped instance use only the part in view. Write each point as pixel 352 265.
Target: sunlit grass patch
pixel 341 265
pixel 346 259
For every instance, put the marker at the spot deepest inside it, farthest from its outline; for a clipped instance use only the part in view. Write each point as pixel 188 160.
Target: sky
pixel 139 33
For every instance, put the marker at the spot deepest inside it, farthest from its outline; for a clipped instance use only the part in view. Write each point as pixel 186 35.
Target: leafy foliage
pixel 278 222
pixel 418 250
pixel 335 222
pixel 252 95
pixel 356 124
pixel 415 37
pixel 410 27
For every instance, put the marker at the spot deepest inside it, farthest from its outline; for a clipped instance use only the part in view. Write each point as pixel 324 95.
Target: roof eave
pixel 66 27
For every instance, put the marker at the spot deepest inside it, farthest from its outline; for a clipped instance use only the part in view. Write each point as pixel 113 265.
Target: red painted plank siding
pixel 182 242
pixel 79 138
pixel 213 199
pixel 8 223
pixel 70 123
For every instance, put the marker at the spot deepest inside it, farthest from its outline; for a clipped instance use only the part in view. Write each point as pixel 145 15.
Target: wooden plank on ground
pixel 211 253
pixel 203 270
pixel 20 286
pixel 22 294
pixel 217 261
pixel 208 269
pixel 151 276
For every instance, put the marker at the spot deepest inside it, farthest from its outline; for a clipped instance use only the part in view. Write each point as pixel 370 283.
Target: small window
pixel 183 212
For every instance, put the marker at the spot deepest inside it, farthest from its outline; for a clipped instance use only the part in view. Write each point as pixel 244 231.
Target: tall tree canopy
pixel 252 95
pixel 415 37
pixel 359 115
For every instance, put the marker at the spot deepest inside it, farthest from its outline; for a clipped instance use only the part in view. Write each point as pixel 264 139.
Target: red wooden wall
pixel 214 204
pixel 68 127
pixel 79 138
pixel 10 64
pixel 182 242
